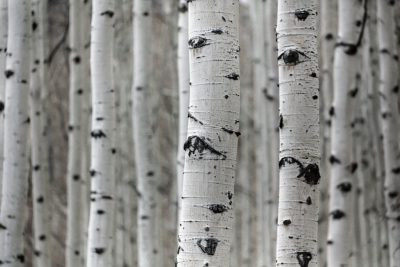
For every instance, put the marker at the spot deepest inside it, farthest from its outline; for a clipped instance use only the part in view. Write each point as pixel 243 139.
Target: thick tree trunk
pixel 74 248
pixel 3 52
pixel 352 20
pixel 101 218
pixel 389 89
pixel 206 222
pixel 299 133
pixel 16 128
pixel 40 196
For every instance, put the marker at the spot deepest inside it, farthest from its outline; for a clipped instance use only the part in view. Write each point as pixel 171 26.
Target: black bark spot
pixel 223 18
pixel 37 253
pixel 396 170
pixel 76 177
pixel 198 143
pixel 77 253
pixel 353 93
pixel 150 173
pixel 386 115
pixel 301 14
pixel 393 194
pixel 42 237
pixel 36 167
pixel 287 222
pixel 28 120
pixel 304 258
pixel 144 217
pixel 334 160
pixel 79 91
pixel 105 197
pixel 145 13
pixel 1 106
pixel 2 227
pixel 314 97
pixel 332 111
pixel 314 75
pixel 24 81
pixel 113 150
pixel 217 208
pixel 34 26
pixel 290 57
pixel 281 121
pixel 21 258
pixel 311 174
pixel 344 187
pixel 337 214
pixel 99 250
pixel 230 195
pixel 108 13
pixel 308 201
pixel 232 76
pixel 329 242
pixel 190 115
pixel 352 167
pixel 77 59
pixel 98 134
pixel 231 131
pixel 217 31
pixel 100 212
pixel 329 36
pixel 210 247
pixel 197 42
pixel 92 173
pixel 395 89
pixel 8 73
pixel 40 199
pixel 183 8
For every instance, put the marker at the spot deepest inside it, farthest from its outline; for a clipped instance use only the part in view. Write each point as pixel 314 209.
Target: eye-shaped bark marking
pixel 98 134
pixel 217 208
pixel 287 222
pixel 291 57
pixel 198 143
pixel 99 250
pixel 344 187
pixel 197 42
pixel 304 258
pixel 338 214
pixel 210 245
pixel 301 14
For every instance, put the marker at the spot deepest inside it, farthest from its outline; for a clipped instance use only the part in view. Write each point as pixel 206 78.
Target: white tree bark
pixel 352 19
pixel 389 89
pixel 74 248
pixel 206 222
pixel 16 128
pixel 299 133
pixel 40 180
pixel 3 51
pixel 183 74
pixel 101 218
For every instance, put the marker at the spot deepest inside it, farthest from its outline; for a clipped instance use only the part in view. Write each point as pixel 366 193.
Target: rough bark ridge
pixel 39 175
pixel 390 119
pixel 299 133
pixel 101 218
pixel 205 229
pixel 74 248
pixel 16 128
pixel 342 165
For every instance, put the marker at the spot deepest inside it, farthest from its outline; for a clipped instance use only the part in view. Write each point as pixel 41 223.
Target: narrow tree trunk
pixel 16 128
pixel 39 175
pixel 206 222
pixel 74 248
pixel 3 52
pixel 299 133
pixel 101 218
pixel 389 89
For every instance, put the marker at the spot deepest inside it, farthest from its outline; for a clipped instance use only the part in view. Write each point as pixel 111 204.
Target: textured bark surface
pixel 16 129
pixel 299 134
pixel 390 119
pixel 206 222
pixel 103 152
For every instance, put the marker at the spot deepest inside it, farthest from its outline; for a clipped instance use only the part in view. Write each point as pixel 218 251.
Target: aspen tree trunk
pixel 183 74
pixel 272 95
pixel 299 133
pixel 3 51
pixel 350 31
pixel 39 175
pixel 101 218
pixel 206 222
pixel 16 123
pixel 74 248
pixel 389 89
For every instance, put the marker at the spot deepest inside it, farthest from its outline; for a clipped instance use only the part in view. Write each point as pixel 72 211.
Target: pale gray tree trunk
pixel 40 196
pixel 74 248
pixel 3 51
pixel 16 129
pixel 102 170
pixel 389 89
pixel 299 133
pixel 206 222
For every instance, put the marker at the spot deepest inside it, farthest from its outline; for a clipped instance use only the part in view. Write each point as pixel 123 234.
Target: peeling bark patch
pixel 98 134
pixel 344 187
pixel 99 250
pixel 311 174
pixel 217 208
pixel 301 14
pixel 287 222
pixel 197 143
pixel 334 160
pixel 304 258
pixel 108 13
pixel 8 73
pixel 232 76
pixel 209 247
pixel 197 42
pixel 190 116
pixel 338 214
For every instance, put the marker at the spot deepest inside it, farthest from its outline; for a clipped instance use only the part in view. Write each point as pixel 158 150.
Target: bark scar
pixel 210 247
pixel 310 173
pixel 199 143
